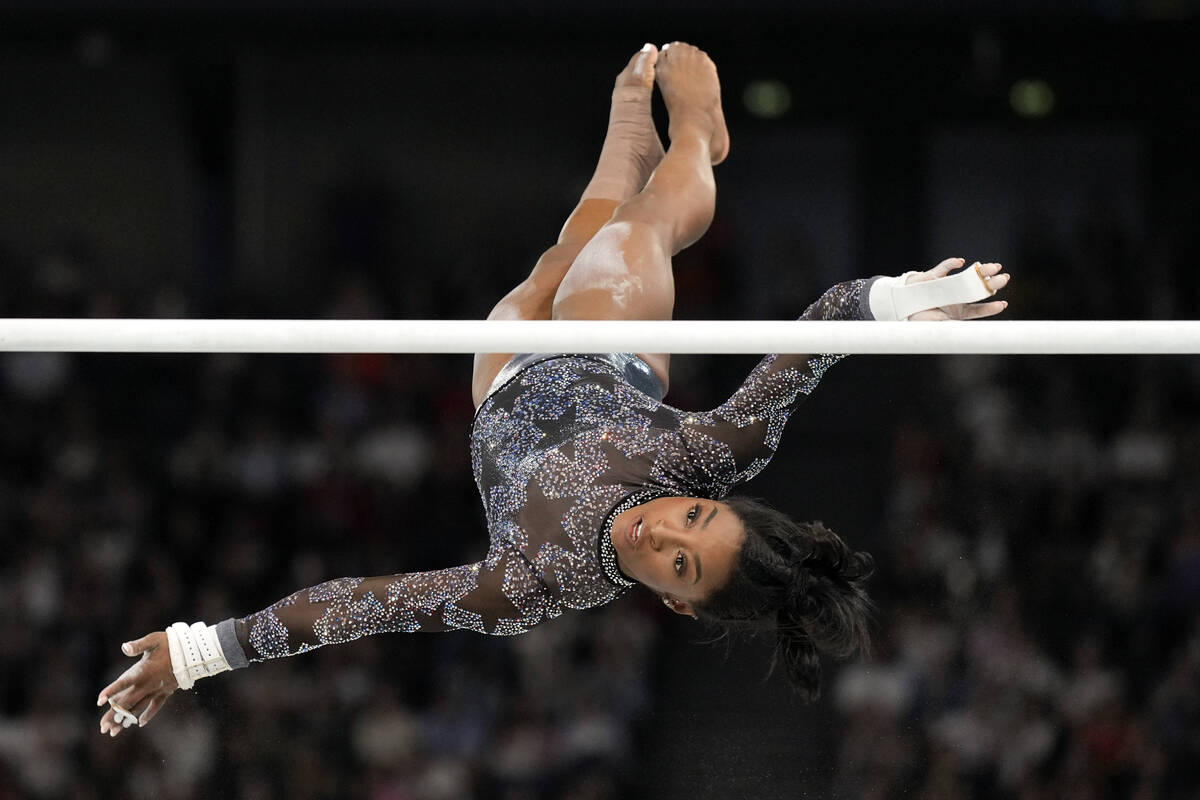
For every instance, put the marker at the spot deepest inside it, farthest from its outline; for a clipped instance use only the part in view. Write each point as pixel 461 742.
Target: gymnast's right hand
pixel 141 691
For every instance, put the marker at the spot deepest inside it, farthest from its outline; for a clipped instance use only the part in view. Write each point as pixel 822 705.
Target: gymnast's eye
pixel 693 512
pixel 680 563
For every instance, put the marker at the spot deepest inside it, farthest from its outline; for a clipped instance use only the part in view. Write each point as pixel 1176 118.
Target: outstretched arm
pixel 500 595
pixel 733 442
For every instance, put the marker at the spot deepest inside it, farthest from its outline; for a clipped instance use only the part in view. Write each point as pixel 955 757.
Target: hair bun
pixel 801 581
pixel 797 591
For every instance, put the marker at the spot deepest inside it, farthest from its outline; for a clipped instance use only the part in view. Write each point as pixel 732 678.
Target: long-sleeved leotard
pixel 558 451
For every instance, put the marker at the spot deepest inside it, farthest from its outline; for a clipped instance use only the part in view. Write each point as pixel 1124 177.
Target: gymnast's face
pixel 681 548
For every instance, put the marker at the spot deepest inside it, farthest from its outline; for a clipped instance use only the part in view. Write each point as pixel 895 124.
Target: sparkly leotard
pixel 558 450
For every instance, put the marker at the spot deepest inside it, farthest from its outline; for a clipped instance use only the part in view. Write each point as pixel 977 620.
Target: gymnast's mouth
pixel 634 532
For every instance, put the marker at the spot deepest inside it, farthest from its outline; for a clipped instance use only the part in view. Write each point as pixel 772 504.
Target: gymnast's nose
pixel 659 535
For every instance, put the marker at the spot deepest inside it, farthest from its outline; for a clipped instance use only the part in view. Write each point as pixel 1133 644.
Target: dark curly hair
pixel 800 582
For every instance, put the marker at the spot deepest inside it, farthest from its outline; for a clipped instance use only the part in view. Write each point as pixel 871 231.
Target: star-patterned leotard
pixel 558 450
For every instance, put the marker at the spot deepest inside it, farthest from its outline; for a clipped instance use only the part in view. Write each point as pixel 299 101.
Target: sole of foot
pixel 688 80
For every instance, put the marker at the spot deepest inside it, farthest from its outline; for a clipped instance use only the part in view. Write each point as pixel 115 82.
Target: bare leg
pixel 624 272
pixel 630 154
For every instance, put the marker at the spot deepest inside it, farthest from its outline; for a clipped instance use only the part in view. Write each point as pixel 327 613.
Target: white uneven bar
pixel 470 336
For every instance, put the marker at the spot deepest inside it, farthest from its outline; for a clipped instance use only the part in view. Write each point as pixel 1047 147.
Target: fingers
pixel 997 282
pixel 123 716
pixel 139 645
pixel 126 696
pixel 948 265
pixel 116 687
pixel 152 708
pixel 135 713
pixel 981 310
pixel 944 268
pixel 994 277
pixel 110 724
pixel 119 717
pixel 125 701
pixel 129 676
pixel 990 271
pixel 961 312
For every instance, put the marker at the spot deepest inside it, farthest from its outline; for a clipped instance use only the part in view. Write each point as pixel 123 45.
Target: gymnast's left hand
pixel 143 688
pixel 993 275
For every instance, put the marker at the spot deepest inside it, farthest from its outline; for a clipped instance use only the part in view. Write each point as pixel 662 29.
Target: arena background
pixel 1036 519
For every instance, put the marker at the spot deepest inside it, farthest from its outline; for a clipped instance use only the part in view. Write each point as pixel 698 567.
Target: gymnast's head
pixel 740 565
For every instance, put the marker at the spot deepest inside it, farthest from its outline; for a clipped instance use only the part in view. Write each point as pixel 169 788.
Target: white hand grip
pixel 892 299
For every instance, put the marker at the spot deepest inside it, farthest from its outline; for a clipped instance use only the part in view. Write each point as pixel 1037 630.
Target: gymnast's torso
pixel 560 446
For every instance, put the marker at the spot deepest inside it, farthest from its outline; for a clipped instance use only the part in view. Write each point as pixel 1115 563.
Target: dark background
pixel 1035 519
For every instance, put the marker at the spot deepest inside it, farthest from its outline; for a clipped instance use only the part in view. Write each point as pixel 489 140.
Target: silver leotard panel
pixel 637 372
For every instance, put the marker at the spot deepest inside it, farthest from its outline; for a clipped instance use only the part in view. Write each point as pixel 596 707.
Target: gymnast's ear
pixel 680 607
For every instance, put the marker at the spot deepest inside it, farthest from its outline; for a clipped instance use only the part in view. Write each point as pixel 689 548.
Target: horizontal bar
pixel 575 336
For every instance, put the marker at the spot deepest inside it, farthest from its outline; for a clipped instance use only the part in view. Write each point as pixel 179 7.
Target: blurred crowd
pixel 1042 591
pixel 1041 547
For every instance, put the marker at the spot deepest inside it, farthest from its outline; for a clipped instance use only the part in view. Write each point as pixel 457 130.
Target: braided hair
pixel 802 583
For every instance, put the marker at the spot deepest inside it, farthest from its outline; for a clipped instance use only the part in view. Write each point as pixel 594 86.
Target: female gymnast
pixel 590 484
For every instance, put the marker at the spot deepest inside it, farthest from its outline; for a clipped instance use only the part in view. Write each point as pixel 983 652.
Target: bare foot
pixel 632 149
pixel 640 69
pixel 629 118
pixel 688 80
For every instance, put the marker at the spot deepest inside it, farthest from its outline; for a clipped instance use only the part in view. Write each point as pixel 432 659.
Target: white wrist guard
pixel 893 299
pixel 195 652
